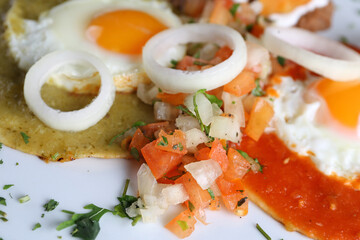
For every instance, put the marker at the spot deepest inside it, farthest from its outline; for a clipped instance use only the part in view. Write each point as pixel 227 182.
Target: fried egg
pixel 319 118
pixel 113 30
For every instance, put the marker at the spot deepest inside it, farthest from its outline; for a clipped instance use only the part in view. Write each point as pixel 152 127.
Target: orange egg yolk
pixel 281 6
pixel 342 100
pixel 123 31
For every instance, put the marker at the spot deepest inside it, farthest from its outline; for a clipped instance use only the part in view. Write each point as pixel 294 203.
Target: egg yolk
pixel 342 100
pixel 123 31
pixel 281 6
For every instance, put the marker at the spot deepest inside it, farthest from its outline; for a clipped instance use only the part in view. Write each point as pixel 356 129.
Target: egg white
pixel 294 122
pixel 64 27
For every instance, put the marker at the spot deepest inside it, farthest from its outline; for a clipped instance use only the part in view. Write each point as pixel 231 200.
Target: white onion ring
pixel 173 80
pixel 73 120
pixel 323 56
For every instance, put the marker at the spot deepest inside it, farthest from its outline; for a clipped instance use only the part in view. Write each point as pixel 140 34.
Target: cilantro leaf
pixel 257 91
pixel 198 63
pixel 174 63
pixel 164 142
pixel 51 205
pixel 234 8
pixel 7 186
pixel 25 137
pixel 37 225
pixel 2 201
pixel 281 60
pixel 87 224
pixel 211 98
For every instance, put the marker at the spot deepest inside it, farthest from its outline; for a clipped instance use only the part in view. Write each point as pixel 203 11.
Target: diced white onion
pixel 205 172
pixel 233 105
pixel 185 123
pixel 323 56
pixel 193 138
pixel 147 183
pixel 204 107
pixel 225 127
pixel 216 109
pixel 77 120
pixel 173 80
pixel 165 111
pixel 175 194
pixel 151 214
pixel 147 92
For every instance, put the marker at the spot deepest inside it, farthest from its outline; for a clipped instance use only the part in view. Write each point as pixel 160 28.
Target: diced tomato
pixel 203 154
pixel 260 116
pixel 174 99
pixel 223 53
pixel 257 30
pixel 242 84
pixel 171 176
pixel 183 224
pixel 138 141
pixel 238 166
pixel 214 203
pixel 160 162
pixel 233 195
pixel 218 153
pixel 150 129
pixel 199 198
pixel 174 142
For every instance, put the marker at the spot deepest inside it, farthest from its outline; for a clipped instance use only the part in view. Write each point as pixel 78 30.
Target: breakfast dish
pixel 238 105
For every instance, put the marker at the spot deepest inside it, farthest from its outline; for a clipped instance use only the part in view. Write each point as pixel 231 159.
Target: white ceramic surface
pixel 100 181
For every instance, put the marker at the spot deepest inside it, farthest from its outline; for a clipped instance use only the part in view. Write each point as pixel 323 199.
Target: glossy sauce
pixel 299 195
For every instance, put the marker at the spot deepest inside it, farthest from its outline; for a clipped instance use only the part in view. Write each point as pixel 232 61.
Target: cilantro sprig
pixel 51 205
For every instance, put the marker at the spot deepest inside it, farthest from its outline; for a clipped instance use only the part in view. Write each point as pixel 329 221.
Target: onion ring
pixel 77 120
pixel 323 56
pixel 173 80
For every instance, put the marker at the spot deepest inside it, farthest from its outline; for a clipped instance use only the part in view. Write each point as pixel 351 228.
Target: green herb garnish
pixel 51 205
pixel 135 125
pixel 0 145
pixel 2 201
pixel 257 91
pixel 174 63
pixel 38 225
pixel 234 8
pixel 25 137
pixel 4 219
pixel 249 27
pixel 135 153
pixel 211 193
pixel 281 60
pixel 3 213
pixel 179 145
pixel 191 206
pixel 263 232
pixel 24 199
pixel 164 142
pixel 184 226
pixel 260 166
pixel 7 186
pixel 185 110
pixel 1 161
pixel 55 156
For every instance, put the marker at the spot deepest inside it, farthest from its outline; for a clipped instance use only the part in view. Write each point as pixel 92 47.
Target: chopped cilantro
pixel 0 145
pixel 55 156
pixel 37 225
pixel 125 202
pixel 2 201
pixel 173 178
pixel 135 125
pixel 25 137
pixel 185 110
pixel 51 205
pixel 87 224
pixel 3 213
pixel 68 212
pixel 164 142
pixel 257 91
pixel 191 20
pixel 241 201
pixel 7 186
pixel 198 63
pixel 135 153
pixel 249 27
pixel 42 215
pixel 159 90
pixel 59 237
pixel 211 193
pixel 263 232
pixel 24 199
pixel 184 226
pixel 197 55
pixel 16 164
pixel 233 102
pixel 1 161
pixel 344 40
pixel 174 63
pixel 260 166
pixel 234 8
pixel 281 60
pixel 4 219
pixel 179 145
pixel 191 206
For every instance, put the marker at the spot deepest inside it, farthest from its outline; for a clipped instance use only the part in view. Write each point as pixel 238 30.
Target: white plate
pixel 100 181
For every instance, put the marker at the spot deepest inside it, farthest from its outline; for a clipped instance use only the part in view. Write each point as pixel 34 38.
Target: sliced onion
pixel 205 172
pixel 74 120
pixel 185 123
pixel 173 80
pixel 147 183
pixel 175 194
pixel 204 107
pixel 165 111
pixel 326 57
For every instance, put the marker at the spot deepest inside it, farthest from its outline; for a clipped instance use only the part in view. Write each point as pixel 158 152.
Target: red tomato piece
pixel 218 153
pixel 174 142
pixel 183 224
pixel 238 166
